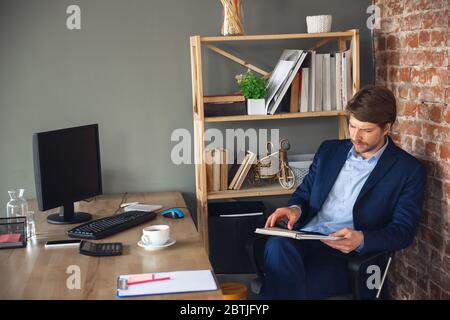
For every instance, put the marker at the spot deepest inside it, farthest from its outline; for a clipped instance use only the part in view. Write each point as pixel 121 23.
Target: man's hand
pixel 353 239
pixel 292 214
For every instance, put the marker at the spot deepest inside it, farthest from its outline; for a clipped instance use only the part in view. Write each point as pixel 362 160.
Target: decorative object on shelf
pixel 318 24
pixel 254 89
pixel 274 166
pixel 232 14
pixel 300 164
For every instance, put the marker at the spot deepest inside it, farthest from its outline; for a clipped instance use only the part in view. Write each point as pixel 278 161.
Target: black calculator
pixel 100 249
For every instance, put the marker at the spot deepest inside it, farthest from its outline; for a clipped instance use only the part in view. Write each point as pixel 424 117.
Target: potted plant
pixel 254 89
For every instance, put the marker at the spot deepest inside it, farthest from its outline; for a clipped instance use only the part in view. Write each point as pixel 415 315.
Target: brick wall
pixel 412 59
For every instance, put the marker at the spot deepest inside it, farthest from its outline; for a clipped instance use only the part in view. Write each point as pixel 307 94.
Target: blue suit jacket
pixel 389 204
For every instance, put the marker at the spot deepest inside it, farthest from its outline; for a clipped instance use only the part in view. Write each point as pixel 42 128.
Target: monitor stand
pixel 67 215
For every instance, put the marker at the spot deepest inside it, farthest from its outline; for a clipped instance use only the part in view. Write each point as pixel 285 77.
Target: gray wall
pixel 128 69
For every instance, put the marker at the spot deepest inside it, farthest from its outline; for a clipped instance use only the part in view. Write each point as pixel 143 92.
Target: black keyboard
pixel 103 227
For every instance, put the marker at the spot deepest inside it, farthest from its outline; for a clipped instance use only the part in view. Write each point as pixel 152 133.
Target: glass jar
pixel 232 14
pixel 31 224
pixel 17 206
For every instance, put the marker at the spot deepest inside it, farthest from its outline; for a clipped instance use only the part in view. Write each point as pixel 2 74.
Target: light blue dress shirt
pixel 337 211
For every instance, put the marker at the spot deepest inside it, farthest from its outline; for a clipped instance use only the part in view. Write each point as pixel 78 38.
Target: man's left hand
pixel 353 239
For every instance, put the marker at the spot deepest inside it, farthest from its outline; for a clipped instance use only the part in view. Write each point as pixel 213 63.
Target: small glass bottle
pixel 17 206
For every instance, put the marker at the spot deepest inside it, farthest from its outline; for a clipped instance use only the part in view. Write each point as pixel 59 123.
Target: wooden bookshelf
pixel 197 43
pixel 277 116
pixel 246 192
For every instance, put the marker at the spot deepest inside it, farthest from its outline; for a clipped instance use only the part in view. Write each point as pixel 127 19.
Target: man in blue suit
pixel 364 189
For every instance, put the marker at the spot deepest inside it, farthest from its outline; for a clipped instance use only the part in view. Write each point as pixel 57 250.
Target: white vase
pixel 256 106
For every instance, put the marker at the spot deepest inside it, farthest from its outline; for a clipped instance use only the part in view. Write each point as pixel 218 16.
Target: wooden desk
pixel 38 273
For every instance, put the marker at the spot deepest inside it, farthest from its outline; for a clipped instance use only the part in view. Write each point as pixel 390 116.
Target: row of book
pixel 218 175
pixel 323 83
pixel 318 82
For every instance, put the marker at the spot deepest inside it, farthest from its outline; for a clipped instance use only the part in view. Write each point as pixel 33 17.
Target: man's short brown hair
pixel 375 104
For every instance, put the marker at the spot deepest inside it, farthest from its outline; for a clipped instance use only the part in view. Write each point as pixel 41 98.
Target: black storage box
pixel 231 225
pixel 221 109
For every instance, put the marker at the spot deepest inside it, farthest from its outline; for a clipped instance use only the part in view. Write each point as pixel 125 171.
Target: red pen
pixel 144 278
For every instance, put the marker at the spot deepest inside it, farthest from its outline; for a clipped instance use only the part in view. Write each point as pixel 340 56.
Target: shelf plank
pixel 339 34
pixel 293 115
pixel 268 190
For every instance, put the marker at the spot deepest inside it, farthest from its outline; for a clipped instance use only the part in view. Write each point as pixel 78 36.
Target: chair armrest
pixel 355 266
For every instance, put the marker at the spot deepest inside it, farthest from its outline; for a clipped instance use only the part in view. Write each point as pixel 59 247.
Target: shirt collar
pixel 375 157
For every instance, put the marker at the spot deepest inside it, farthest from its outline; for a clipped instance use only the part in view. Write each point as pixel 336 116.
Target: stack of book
pixel 282 76
pixel 216 169
pixel 323 84
pixel 240 172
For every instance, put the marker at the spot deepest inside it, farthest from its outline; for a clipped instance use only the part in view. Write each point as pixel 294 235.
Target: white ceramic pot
pixel 256 106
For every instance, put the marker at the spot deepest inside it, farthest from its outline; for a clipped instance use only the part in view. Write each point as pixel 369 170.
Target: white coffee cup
pixel 156 235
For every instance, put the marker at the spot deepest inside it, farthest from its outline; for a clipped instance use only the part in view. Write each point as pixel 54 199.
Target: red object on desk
pixel 145 278
pixel 11 237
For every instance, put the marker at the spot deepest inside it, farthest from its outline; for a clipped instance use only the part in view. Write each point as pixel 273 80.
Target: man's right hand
pixel 292 214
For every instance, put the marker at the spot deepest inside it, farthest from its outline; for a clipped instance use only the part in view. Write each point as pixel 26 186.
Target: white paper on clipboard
pixel 180 282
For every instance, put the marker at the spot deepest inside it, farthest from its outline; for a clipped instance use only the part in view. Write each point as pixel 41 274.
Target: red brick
pixel 432 238
pixel 418 76
pixel 432 94
pixel 442 170
pixel 431 149
pixel 411 22
pixel 435 291
pixel 406 143
pixel 408 109
pixel 381 58
pixel 435 190
pixel 389 25
pixel 436 76
pixel 445 151
pixel 392 42
pixel 438 38
pixel 393 7
pixel 430 167
pixel 412 40
pixel 435 132
pixel 435 113
pixel 381 43
pixel 422 5
pixel 447 115
pixel 411 58
pixel 424 38
pixel 382 73
pixel 435 19
pixel 435 58
pixel 404 74
pixel 393 74
pixel 419 147
pixel 447 192
pixel 393 58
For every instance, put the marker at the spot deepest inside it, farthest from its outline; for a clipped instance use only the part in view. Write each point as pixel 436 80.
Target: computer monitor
pixel 66 170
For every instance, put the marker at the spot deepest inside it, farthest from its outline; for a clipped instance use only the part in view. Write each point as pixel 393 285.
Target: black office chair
pixel 357 267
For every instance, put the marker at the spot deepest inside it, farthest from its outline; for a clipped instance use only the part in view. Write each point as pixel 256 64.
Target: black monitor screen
pixel 67 166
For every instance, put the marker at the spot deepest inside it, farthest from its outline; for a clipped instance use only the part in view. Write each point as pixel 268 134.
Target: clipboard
pixel 178 282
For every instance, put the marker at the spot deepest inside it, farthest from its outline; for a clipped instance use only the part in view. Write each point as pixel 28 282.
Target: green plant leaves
pixel 251 85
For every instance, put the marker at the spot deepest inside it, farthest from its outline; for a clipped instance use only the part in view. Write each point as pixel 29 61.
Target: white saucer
pixel 153 246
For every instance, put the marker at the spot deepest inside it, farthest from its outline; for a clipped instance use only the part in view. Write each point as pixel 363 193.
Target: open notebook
pixel 299 235
pixel 179 282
